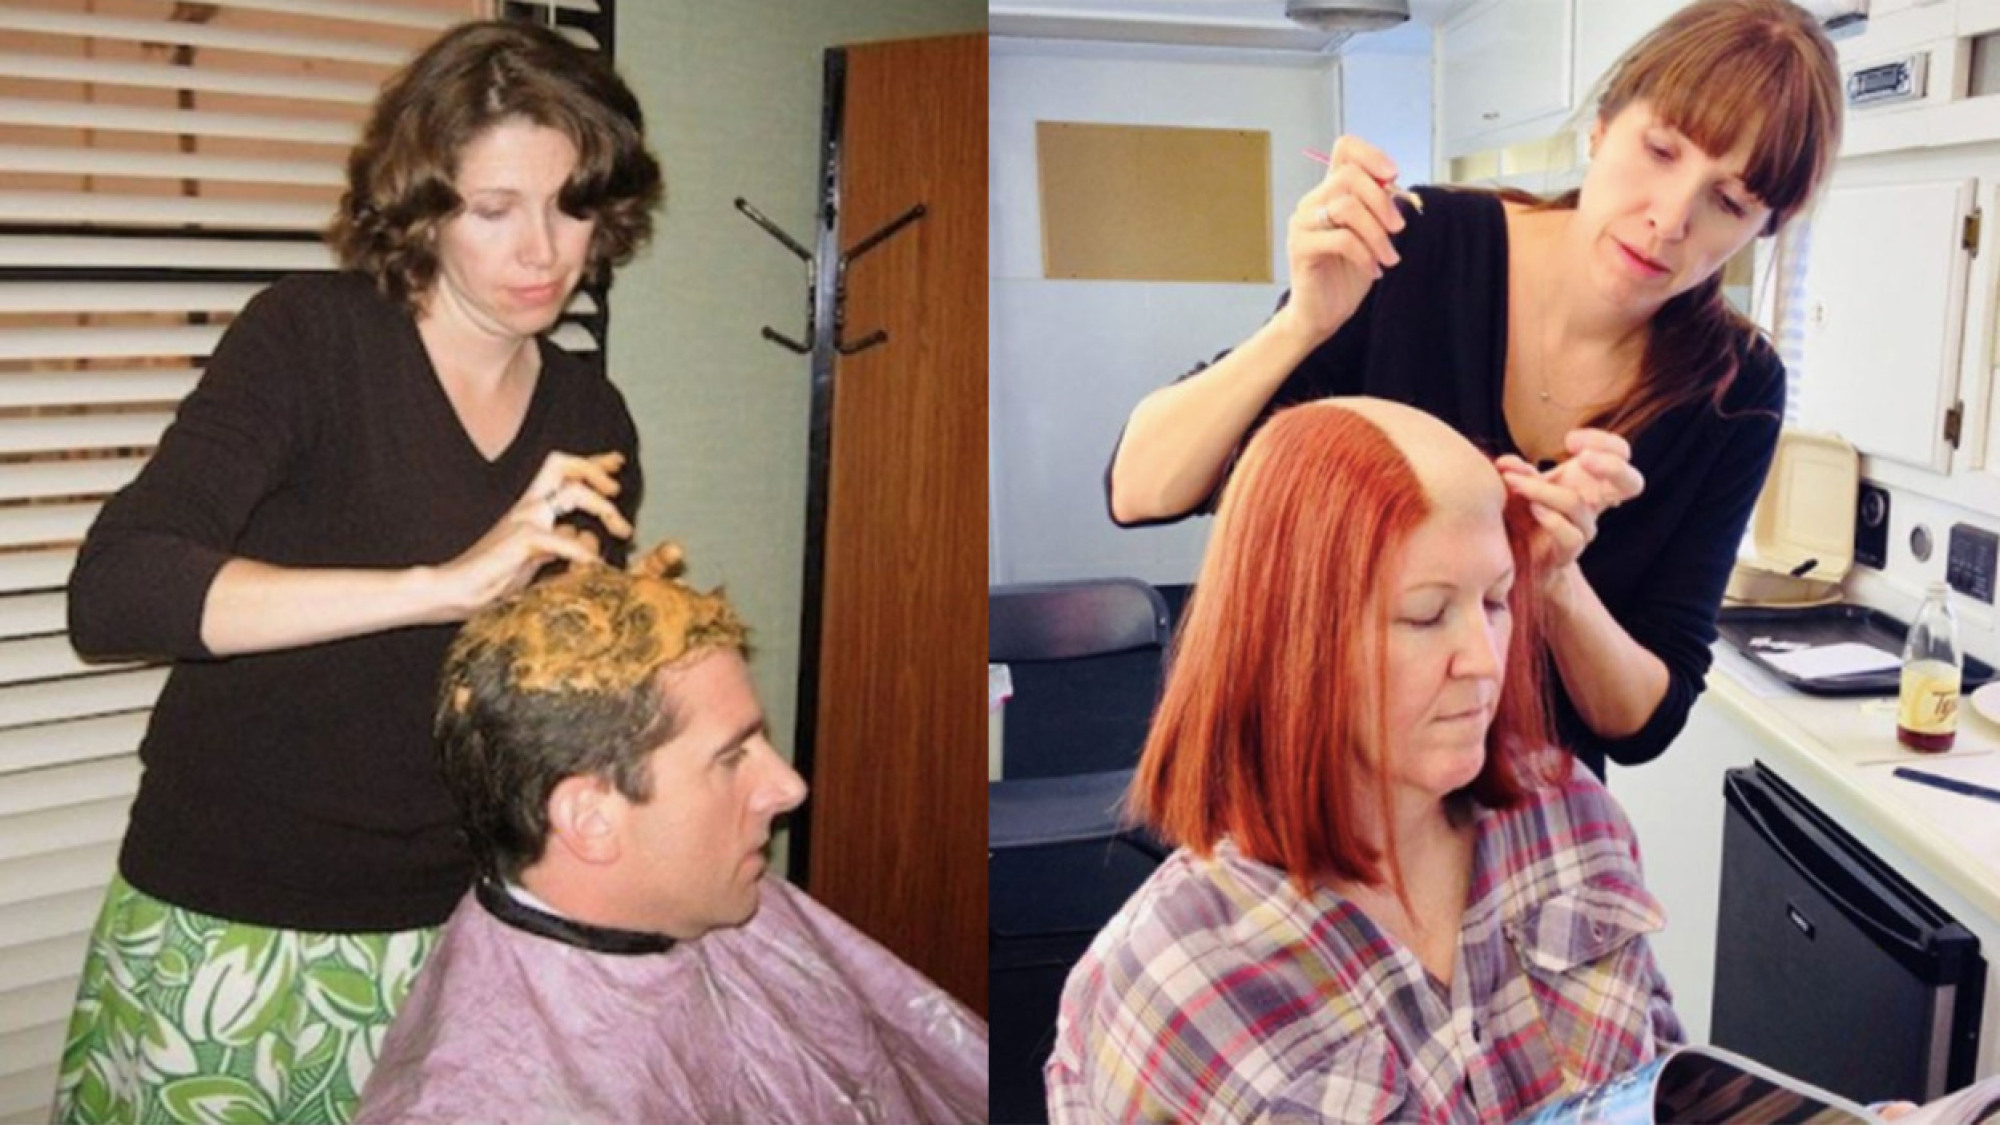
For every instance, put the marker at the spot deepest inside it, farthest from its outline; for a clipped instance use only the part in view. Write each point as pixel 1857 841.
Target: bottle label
pixel 1929 703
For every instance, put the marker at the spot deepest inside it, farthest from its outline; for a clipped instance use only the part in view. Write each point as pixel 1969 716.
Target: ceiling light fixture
pixel 1347 15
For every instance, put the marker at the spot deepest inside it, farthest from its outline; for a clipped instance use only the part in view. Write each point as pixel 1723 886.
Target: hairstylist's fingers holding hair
pixel 1599 473
pixel 588 539
pixel 1568 520
pixel 1338 238
pixel 567 483
pixel 1606 459
pixel 528 537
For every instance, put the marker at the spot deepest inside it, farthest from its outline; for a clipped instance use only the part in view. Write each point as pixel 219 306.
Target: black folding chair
pixel 1085 659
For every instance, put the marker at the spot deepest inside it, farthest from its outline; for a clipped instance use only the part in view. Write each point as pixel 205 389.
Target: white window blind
pixel 160 163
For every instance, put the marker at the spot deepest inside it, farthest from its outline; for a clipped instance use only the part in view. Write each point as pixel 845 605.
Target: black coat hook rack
pixel 805 255
pixel 847 259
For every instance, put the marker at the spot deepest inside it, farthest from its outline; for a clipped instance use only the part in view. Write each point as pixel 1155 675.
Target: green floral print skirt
pixel 182 1017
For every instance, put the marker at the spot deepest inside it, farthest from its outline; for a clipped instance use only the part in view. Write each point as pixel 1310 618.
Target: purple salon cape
pixel 793 1017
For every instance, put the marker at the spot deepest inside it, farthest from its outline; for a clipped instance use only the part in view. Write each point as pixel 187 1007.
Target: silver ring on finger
pixel 555 505
pixel 1326 219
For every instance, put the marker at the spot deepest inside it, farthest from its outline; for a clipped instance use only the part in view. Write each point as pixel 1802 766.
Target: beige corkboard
pixel 1153 203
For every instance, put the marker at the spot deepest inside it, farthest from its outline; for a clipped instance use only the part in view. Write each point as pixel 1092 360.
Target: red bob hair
pixel 1257 736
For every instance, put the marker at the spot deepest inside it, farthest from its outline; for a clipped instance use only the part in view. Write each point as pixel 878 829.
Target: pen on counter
pixel 1950 784
pixel 1415 201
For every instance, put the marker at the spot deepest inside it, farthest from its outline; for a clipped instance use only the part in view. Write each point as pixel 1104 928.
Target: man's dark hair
pixel 560 680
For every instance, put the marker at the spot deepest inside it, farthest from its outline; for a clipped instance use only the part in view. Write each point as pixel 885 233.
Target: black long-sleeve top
pixel 1433 333
pixel 299 789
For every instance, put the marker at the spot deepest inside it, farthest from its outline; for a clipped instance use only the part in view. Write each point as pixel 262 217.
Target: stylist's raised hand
pixel 1567 500
pixel 529 535
pixel 1338 239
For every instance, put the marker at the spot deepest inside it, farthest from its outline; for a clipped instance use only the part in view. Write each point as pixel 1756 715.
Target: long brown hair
pixel 1717 70
pixel 1258 734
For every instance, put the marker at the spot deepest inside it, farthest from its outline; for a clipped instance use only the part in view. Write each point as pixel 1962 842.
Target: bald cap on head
pixel 1453 472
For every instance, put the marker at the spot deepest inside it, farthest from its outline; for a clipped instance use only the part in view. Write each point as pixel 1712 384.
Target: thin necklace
pixel 1543 394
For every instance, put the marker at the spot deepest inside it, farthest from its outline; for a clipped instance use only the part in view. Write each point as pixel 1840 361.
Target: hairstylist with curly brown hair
pixel 370 457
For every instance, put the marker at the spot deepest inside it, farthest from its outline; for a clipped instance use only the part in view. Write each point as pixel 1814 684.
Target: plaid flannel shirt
pixel 1218 994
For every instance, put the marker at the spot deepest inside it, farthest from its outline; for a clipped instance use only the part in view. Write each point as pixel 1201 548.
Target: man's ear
pixel 585 817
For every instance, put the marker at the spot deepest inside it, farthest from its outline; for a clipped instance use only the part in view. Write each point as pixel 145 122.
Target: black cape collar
pixel 597 939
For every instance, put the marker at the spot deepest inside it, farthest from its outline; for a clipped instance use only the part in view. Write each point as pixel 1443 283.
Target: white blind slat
pixel 55 830
pixel 39 962
pixel 196 35
pixel 115 688
pixel 56 788
pixel 157 77
pixel 37 1004
pixel 24 1050
pixel 354 11
pixel 125 296
pixel 46 114
pixel 57 873
pixel 168 166
pixel 98 387
pixel 41 658
pixel 158 211
pixel 55 916
pixel 572 337
pixel 25 1096
pixel 82 431
pixel 108 342
pixel 154 296
pixel 47 479
pixel 35 570
pixel 26 615
pixel 46 745
pixel 87 252
pixel 45 523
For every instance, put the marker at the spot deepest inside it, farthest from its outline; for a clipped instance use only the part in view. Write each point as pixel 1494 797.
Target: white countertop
pixel 1845 746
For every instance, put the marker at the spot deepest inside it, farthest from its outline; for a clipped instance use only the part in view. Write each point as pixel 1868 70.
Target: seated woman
pixel 1393 899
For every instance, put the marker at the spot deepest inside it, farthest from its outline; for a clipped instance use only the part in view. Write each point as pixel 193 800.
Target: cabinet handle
pixel 1490 115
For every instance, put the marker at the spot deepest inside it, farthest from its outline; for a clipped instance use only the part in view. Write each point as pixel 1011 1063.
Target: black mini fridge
pixel 1829 965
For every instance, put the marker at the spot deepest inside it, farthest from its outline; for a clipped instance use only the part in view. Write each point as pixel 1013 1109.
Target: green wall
pixel 732 94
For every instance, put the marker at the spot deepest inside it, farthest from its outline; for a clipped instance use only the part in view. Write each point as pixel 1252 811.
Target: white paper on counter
pixel 1847 658
pixel 1749 675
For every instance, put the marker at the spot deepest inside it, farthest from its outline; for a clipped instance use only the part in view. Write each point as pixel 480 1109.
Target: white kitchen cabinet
pixel 1605 29
pixel 1504 73
pixel 1884 308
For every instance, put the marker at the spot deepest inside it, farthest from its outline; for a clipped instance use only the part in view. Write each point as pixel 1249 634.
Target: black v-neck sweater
pixel 299 789
pixel 1433 333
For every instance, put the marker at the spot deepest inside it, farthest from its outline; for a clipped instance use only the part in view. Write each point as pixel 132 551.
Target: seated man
pixel 621 957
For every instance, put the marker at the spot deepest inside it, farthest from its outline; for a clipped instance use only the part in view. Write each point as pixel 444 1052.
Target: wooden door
pixel 898 811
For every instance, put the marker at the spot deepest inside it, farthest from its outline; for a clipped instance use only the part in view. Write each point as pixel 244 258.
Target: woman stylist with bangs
pixel 370 456
pixel 1585 335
